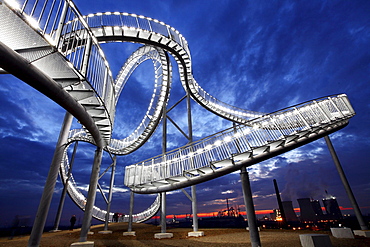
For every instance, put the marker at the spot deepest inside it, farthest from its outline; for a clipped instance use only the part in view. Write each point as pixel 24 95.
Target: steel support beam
pixel 86 223
pixel 193 188
pixel 64 192
pixel 163 212
pixel 194 208
pixel 110 193
pixel 251 215
pixel 346 185
pixel 131 211
pixel 47 195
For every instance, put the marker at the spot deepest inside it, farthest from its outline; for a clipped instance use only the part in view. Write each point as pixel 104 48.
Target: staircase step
pixel 177 179
pixel 91 101
pixel 66 82
pixel 291 138
pixel 260 150
pixel 80 94
pixel 275 144
pixel 222 163
pixel 242 156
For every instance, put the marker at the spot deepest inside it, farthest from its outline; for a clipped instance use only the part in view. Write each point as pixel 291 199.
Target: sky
pixel 257 55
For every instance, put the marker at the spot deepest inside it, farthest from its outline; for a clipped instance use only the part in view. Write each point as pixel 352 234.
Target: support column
pixel 164 150
pixel 163 212
pixel 163 233
pixel 86 223
pixel 195 232
pixel 251 216
pixel 194 205
pixel 110 195
pixel 194 208
pixel 346 185
pixel 131 211
pixel 129 230
pixel 64 192
pixel 43 209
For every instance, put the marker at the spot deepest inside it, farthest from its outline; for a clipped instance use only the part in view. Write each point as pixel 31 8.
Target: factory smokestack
pixel 281 208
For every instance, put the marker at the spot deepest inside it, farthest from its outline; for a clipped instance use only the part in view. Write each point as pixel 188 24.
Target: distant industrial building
pixel 311 210
pixel 317 208
pixel 289 211
pixel 332 208
pixel 307 212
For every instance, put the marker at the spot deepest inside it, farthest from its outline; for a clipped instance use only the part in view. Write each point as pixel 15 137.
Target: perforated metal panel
pixel 17 34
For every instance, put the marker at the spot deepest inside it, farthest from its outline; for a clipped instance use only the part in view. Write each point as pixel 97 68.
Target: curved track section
pixel 80 199
pixel 152 117
pixel 117 27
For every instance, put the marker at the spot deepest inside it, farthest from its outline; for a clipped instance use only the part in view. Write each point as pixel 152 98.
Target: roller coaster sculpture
pixel 64 46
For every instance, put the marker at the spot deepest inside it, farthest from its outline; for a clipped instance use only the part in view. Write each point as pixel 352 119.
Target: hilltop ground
pixel 145 237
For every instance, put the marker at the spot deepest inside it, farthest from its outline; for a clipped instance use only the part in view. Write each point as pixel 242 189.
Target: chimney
pixel 280 203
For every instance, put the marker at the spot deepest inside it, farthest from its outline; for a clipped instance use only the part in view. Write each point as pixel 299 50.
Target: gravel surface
pixel 145 237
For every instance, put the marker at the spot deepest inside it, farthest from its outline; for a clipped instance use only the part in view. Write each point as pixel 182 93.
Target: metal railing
pixel 221 146
pixel 62 25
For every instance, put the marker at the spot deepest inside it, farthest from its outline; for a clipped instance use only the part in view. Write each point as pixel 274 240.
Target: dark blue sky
pixel 257 55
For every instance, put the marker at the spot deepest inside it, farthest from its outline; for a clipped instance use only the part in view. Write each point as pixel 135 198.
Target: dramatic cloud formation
pixel 257 55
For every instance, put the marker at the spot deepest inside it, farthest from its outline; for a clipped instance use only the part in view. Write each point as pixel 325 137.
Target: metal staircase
pixel 77 66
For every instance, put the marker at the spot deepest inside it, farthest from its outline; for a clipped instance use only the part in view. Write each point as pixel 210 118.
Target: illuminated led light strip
pixel 147 125
pixel 141 17
pixel 222 108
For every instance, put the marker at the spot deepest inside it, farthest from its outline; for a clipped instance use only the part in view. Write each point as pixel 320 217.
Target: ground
pixel 145 237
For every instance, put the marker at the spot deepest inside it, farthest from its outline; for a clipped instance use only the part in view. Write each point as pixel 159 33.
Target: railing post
pixel 322 111
pixel 346 103
pixel 85 60
pixel 336 107
pixel 62 18
pixel 303 119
